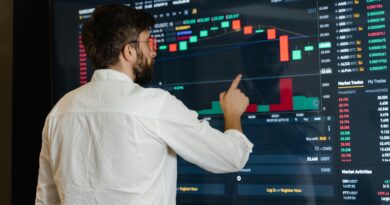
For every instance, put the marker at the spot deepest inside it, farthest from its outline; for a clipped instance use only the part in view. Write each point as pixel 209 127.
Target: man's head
pixel 117 34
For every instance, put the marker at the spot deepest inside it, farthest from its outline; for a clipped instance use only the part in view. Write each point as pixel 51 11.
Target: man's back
pixel 114 142
pixel 103 145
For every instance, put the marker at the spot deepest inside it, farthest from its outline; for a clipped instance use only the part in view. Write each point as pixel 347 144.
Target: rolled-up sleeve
pixel 197 142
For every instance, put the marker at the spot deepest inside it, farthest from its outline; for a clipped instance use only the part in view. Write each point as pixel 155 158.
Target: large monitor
pixel 316 73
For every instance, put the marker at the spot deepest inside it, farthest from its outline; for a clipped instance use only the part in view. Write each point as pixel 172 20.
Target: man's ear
pixel 129 53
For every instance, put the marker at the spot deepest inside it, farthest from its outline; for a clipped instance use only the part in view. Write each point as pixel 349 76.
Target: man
pixel 112 141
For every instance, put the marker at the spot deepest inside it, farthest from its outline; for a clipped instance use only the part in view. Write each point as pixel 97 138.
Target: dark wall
pixel 6 99
pixel 31 94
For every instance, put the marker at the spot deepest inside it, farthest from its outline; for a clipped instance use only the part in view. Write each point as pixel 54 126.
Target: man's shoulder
pixel 66 100
pixel 145 94
pixel 155 92
pixel 127 99
pixel 145 101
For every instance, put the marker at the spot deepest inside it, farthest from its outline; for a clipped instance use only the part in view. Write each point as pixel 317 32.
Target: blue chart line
pixel 230 80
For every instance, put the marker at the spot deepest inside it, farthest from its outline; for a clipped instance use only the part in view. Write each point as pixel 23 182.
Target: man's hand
pixel 234 104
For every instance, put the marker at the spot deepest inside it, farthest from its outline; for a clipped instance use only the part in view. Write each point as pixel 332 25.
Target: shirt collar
pixel 110 74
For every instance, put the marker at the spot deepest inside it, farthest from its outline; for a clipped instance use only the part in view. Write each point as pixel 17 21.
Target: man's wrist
pixel 233 122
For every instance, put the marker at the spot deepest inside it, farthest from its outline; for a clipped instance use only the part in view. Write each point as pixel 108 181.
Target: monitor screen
pixel 316 74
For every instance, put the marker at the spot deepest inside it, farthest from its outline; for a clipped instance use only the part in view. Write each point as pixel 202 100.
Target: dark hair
pixel 109 29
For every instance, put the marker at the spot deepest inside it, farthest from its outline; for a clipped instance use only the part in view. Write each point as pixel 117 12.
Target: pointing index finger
pixel 235 82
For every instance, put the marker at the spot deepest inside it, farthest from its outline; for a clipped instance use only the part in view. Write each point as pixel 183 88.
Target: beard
pixel 143 70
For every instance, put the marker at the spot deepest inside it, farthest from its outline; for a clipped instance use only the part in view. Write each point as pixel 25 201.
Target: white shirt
pixel 112 141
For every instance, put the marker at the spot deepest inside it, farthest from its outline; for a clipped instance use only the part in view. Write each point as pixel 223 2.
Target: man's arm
pixel 46 188
pixel 197 142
